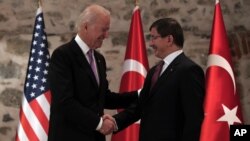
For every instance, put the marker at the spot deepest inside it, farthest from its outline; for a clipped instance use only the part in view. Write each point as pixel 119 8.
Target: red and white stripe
pixel 34 119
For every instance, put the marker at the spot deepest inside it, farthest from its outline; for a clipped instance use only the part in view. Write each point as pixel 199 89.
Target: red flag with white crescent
pixel 222 106
pixel 135 69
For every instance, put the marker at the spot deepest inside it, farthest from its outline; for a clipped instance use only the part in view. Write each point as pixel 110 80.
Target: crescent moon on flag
pixel 217 60
pixel 133 65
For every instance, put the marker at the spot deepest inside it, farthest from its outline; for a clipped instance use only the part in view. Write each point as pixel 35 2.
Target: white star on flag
pixel 220 72
pixel 229 116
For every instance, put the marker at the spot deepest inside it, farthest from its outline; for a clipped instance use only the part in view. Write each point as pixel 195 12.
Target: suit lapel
pixel 169 70
pixel 100 67
pixel 83 62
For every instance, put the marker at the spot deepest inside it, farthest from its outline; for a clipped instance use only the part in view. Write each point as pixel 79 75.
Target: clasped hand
pixel 108 125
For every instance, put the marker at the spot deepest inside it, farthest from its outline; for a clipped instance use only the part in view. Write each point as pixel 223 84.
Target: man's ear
pixel 85 26
pixel 170 38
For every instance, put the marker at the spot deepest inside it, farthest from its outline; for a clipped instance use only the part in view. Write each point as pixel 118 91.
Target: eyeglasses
pixel 151 37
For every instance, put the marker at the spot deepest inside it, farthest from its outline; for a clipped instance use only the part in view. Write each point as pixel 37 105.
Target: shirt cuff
pixel 116 127
pixel 100 124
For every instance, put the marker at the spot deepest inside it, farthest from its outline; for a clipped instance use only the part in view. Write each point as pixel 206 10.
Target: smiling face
pixel 93 26
pixel 166 37
pixel 161 45
pixel 97 31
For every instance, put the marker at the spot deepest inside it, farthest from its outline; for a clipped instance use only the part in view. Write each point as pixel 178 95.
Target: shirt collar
pixel 84 47
pixel 168 59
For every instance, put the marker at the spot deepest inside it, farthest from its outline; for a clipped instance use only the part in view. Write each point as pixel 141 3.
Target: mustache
pixel 154 47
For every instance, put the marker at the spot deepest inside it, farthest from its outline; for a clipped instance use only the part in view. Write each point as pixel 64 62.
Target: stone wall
pixel 196 16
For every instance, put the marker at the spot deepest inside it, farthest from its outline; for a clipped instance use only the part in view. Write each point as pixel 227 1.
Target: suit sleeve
pixel 120 100
pixel 114 100
pixel 128 116
pixel 192 97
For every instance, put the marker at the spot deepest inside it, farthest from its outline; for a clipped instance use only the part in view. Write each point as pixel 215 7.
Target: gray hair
pixel 90 14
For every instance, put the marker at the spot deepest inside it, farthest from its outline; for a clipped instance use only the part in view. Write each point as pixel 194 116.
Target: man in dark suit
pixel 78 83
pixel 170 109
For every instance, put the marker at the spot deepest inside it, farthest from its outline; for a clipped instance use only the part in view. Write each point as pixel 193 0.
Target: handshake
pixel 108 125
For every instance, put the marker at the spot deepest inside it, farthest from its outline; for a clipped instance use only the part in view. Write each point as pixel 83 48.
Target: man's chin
pixel 98 46
pixel 157 54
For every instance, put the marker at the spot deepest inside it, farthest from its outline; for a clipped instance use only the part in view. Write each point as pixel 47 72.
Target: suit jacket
pixel 77 100
pixel 173 109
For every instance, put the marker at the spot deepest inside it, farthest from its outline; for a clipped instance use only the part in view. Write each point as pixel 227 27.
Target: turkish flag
pixel 135 69
pixel 222 106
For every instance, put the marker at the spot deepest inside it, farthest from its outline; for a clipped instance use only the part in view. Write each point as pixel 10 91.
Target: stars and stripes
pixel 35 109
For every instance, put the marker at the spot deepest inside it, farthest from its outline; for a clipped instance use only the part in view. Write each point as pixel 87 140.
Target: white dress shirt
pixel 169 59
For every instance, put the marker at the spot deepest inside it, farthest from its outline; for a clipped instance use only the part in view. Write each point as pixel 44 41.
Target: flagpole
pixel 136 2
pixel 40 3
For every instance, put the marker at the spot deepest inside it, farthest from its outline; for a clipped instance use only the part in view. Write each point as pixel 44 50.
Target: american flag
pixel 35 109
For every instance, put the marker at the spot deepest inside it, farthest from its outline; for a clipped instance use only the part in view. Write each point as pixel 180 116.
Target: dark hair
pixel 169 26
